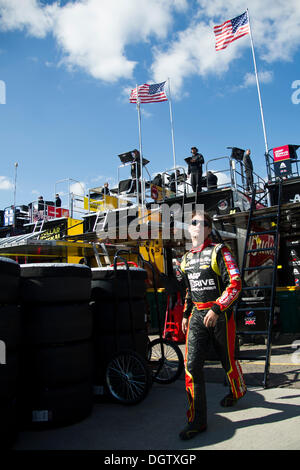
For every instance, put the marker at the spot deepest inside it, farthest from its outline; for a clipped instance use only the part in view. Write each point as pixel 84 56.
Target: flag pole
pixel 172 132
pixel 257 84
pixel 138 105
pixel 171 120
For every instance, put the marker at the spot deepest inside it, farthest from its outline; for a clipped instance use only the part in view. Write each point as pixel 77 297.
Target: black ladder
pixel 266 303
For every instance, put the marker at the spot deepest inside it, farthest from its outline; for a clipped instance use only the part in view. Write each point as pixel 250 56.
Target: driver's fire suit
pixel 213 282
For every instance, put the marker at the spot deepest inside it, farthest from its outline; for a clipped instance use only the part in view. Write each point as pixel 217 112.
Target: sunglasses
pixel 200 222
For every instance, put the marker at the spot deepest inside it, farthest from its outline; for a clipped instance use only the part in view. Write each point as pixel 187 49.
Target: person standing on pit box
pixel 213 286
pixel 248 170
pixel 57 200
pixel 105 190
pixel 135 172
pixel 195 170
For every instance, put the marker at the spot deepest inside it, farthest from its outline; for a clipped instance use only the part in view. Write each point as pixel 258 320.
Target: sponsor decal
pixel 234 271
pixel 203 283
pixel 204 266
pixel 223 205
pixel 193 276
pixel 228 297
pixel 260 241
pixel 250 318
pixel 281 153
pixel 231 264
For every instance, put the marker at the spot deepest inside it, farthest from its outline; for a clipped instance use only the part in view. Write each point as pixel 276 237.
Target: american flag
pixel 149 93
pixel 231 30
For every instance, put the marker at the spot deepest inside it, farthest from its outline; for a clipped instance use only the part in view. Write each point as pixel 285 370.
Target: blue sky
pixel 68 68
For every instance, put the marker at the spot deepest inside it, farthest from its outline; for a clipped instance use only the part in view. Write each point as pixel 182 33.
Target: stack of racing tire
pixel 119 332
pixel 55 383
pixel 10 331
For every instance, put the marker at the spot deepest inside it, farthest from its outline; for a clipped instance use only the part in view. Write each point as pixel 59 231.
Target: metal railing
pixel 69 182
pixel 138 186
pixel 271 173
pixel 44 210
pixel 229 172
pixel 177 183
pixel 234 176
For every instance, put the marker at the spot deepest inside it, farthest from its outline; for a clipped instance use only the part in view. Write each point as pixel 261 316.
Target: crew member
pixel 248 169
pixel 135 171
pixel 195 170
pixel 105 190
pixel 172 182
pixel 157 180
pixel 57 201
pixel 41 204
pixel 212 180
pixel 136 165
pixel 175 179
pixel 213 285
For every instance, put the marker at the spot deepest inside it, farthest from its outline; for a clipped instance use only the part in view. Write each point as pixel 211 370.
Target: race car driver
pixel 213 286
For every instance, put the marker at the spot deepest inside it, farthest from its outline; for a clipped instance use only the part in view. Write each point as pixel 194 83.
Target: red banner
pixel 56 212
pixel 281 153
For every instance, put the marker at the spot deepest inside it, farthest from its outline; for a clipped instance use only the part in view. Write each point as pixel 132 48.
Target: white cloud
pixel 263 77
pixel 28 15
pixel 192 53
pixel 275 29
pixel 5 183
pixel 93 34
pixel 78 188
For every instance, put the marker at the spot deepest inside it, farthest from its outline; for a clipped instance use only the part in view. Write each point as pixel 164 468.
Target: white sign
pixel 296 198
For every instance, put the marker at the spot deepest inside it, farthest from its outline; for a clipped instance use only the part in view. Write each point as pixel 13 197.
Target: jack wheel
pixel 128 377
pixel 166 361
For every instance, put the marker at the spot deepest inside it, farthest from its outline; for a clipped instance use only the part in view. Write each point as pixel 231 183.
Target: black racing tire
pixel 10 325
pixel 108 273
pixel 8 423
pixel 55 282
pixel 46 408
pixel 110 289
pixel 57 365
pixel 9 266
pixel 166 366
pixel 56 322
pixel 128 378
pixel 105 317
pixel 107 283
pixel 9 281
pixel 9 376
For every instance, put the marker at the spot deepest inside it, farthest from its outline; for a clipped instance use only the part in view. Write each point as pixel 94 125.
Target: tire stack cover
pixel 55 384
pixel 10 338
pixel 119 316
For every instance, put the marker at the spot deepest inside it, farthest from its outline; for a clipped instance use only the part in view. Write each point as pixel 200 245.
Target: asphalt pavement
pixel 264 419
